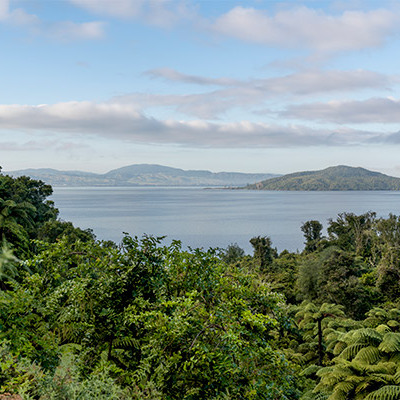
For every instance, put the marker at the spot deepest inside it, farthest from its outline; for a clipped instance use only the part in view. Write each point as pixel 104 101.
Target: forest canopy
pixel 87 319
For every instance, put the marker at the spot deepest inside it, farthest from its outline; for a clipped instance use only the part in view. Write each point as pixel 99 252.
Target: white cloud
pixel 176 76
pixel 308 28
pixel 4 8
pixel 123 122
pixel 74 31
pixel 119 8
pixel 64 30
pixel 27 146
pixel 162 13
pixel 374 110
pixel 254 93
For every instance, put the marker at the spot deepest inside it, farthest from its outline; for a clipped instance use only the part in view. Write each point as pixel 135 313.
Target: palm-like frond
pixel 383 328
pixel 368 355
pixel 390 343
pixel 351 351
pixel 365 335
pixel 388 392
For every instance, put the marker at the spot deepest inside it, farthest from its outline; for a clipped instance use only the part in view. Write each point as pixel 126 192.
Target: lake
pixel 211 217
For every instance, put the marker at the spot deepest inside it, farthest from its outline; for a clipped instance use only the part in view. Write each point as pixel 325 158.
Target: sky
pixel 223 85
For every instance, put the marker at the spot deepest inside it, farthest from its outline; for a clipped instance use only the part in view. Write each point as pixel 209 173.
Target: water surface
pixel 210 217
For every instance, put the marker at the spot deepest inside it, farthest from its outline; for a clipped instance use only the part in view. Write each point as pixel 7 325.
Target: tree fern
pixel 390 343
pixel 367 368
pixel 368 355
pixel 351 351
pixel 388 392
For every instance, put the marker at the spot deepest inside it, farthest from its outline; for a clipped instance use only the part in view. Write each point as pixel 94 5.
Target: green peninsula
pixel 333 178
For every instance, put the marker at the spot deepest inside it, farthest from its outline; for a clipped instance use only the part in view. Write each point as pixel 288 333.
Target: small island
pixel 338 178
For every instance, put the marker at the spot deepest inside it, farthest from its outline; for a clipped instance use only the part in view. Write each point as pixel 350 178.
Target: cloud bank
pixel 62 30
pixel 374 110
pixel 162 13
pixel 123 122
pixel 248 94
pixel 303 27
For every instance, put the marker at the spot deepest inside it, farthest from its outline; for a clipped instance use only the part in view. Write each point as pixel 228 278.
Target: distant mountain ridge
pixel 340 177
pixel 142 175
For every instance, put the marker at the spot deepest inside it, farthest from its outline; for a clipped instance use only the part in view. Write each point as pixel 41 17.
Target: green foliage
pixel 167 323
pixel 264 253
pixel 313 320
pixel 81 319
pixel 312 233
pixel 23 210
pixel 333 275
pixel 8 265
pixel 53 230
pixel 233 253
pixel 353 232
pixel 367 367
pixel 282 275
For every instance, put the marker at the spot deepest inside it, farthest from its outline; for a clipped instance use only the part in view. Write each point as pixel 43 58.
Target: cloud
pixel 374 110
pixel 62 30
pixel 308 28
pixel 4 6
pixel 162 13
pixel 254 93
pixel 31 145
pixel 123 122
pixel 120 8
pixel 176 76
pixel 74 31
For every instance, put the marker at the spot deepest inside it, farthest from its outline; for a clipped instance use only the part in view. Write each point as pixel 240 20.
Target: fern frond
pixel 311 369
pixel 387 368
pixel 364 335
pixel 368 355
pixel 351 351
pixel 388 392
pixel 383 329
pixel 395 357
pixel 338 395
pixel 390 342
pixel 339 347
pixel 126 342
pixel 321 396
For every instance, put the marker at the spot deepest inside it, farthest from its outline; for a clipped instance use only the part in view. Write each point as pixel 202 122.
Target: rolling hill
pixel 142 175
pixel 333 178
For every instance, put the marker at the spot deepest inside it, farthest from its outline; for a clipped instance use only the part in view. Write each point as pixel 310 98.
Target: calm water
pixel 212 218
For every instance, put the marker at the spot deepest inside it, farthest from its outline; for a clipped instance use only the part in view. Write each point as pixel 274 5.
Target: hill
pixel 333 178
pixel 142 175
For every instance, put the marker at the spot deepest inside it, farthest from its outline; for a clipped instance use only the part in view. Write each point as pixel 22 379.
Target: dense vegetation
pixel 332 178
pixel 88 319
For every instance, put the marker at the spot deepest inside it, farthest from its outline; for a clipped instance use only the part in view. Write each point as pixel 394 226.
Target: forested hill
pixel 333 178
pixel 142 175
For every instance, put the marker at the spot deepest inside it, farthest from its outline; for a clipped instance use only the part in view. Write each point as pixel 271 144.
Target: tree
pixel 168 323
pixel 15 219
pixel 353 232
pixel 264 253
pixel 366 367
pixel 311 320
pixel 24 209
pixel 233 253
pixel 312 233
pixel 8 266
pixel 333 275
pixel 52 230
pixel 388 248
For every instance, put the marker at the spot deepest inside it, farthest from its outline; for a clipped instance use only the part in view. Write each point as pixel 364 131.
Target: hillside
pixel 142 175
pixel 332 178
